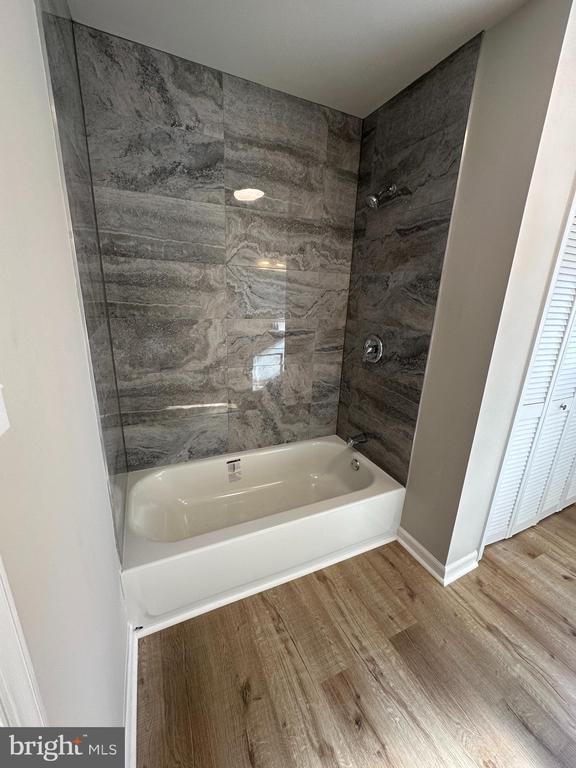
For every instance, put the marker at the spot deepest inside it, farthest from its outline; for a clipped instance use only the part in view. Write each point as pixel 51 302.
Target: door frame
pixel 20 701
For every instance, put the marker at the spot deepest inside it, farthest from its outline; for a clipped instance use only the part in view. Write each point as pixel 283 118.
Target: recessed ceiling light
pixel 247 195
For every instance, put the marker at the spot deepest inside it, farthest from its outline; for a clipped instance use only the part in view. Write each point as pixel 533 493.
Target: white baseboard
pixel 445 574
pixel 130 698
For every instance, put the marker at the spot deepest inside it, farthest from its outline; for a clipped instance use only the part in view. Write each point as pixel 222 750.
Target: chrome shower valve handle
pixel 373 349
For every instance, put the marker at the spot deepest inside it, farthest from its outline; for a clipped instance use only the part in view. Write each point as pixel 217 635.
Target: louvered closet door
pixel 563 398
pixel 541 418
pixel 557 493
pixel 569 491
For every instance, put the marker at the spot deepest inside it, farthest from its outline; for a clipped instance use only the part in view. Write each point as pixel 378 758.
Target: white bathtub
pixel 201 534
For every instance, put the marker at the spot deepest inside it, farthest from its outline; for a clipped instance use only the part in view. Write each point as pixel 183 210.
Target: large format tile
pixel 266 116
pixel 199 287
pixel 160 160
pixel 388 421
pixel 67 97
pixel 426 171
pixel 216 305
pixel 401 299
pixel 265 386
pixel 181 389
pixel 268 426
pixel 323 418
pixel 326 381
pixel 151 343
pixel 170 437
pixel 344 133
pixel 274 293
pixel 329 342
pixel 414 141
pixel 267 342
pixel 258 239
pixel 155 121
pixel 293 183
pixel 340 188
pixel 147 226
pixel 277 143
pixel 123 81
pixel 433 102
pixel 398 235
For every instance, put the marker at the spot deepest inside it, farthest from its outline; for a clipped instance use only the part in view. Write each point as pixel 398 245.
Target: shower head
pixel 376 199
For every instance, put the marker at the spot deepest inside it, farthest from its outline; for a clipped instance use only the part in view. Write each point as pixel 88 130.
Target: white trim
pixel 445 574
pixel 20 702
pixel 131 696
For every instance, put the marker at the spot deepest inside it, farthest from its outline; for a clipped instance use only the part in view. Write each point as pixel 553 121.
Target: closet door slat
pixel 531 479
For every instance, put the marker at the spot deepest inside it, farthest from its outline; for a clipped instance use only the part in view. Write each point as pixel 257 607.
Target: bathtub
pixel 205 533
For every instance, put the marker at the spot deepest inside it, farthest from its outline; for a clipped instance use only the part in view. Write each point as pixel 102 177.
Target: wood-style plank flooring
pixel 372 663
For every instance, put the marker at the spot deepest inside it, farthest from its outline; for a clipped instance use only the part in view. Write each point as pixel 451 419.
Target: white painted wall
pixel 514 80
pixel 56 536
pixel 548 205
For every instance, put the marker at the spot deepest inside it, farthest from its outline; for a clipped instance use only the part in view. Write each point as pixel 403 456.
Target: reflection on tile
pixel 260 342
pixel 156 439
pixel 259 428
pixel 272 293
pixel 266 386
pixel 287 146
pixel 257 293
pixel 257 239
pixel 146 226
pixel 200 287
pixel 180 389
pixel 293 183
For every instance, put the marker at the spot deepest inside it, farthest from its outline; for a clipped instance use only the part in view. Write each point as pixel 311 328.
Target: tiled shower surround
pixel 414 141
pixel 68 103
pixel 227 318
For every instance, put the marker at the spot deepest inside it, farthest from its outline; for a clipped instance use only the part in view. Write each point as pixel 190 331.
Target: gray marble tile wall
pixel 415 141
pixel 227 318
pixel 70 121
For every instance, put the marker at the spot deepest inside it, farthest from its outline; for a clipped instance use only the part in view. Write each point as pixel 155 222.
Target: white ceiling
pixel 352 55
